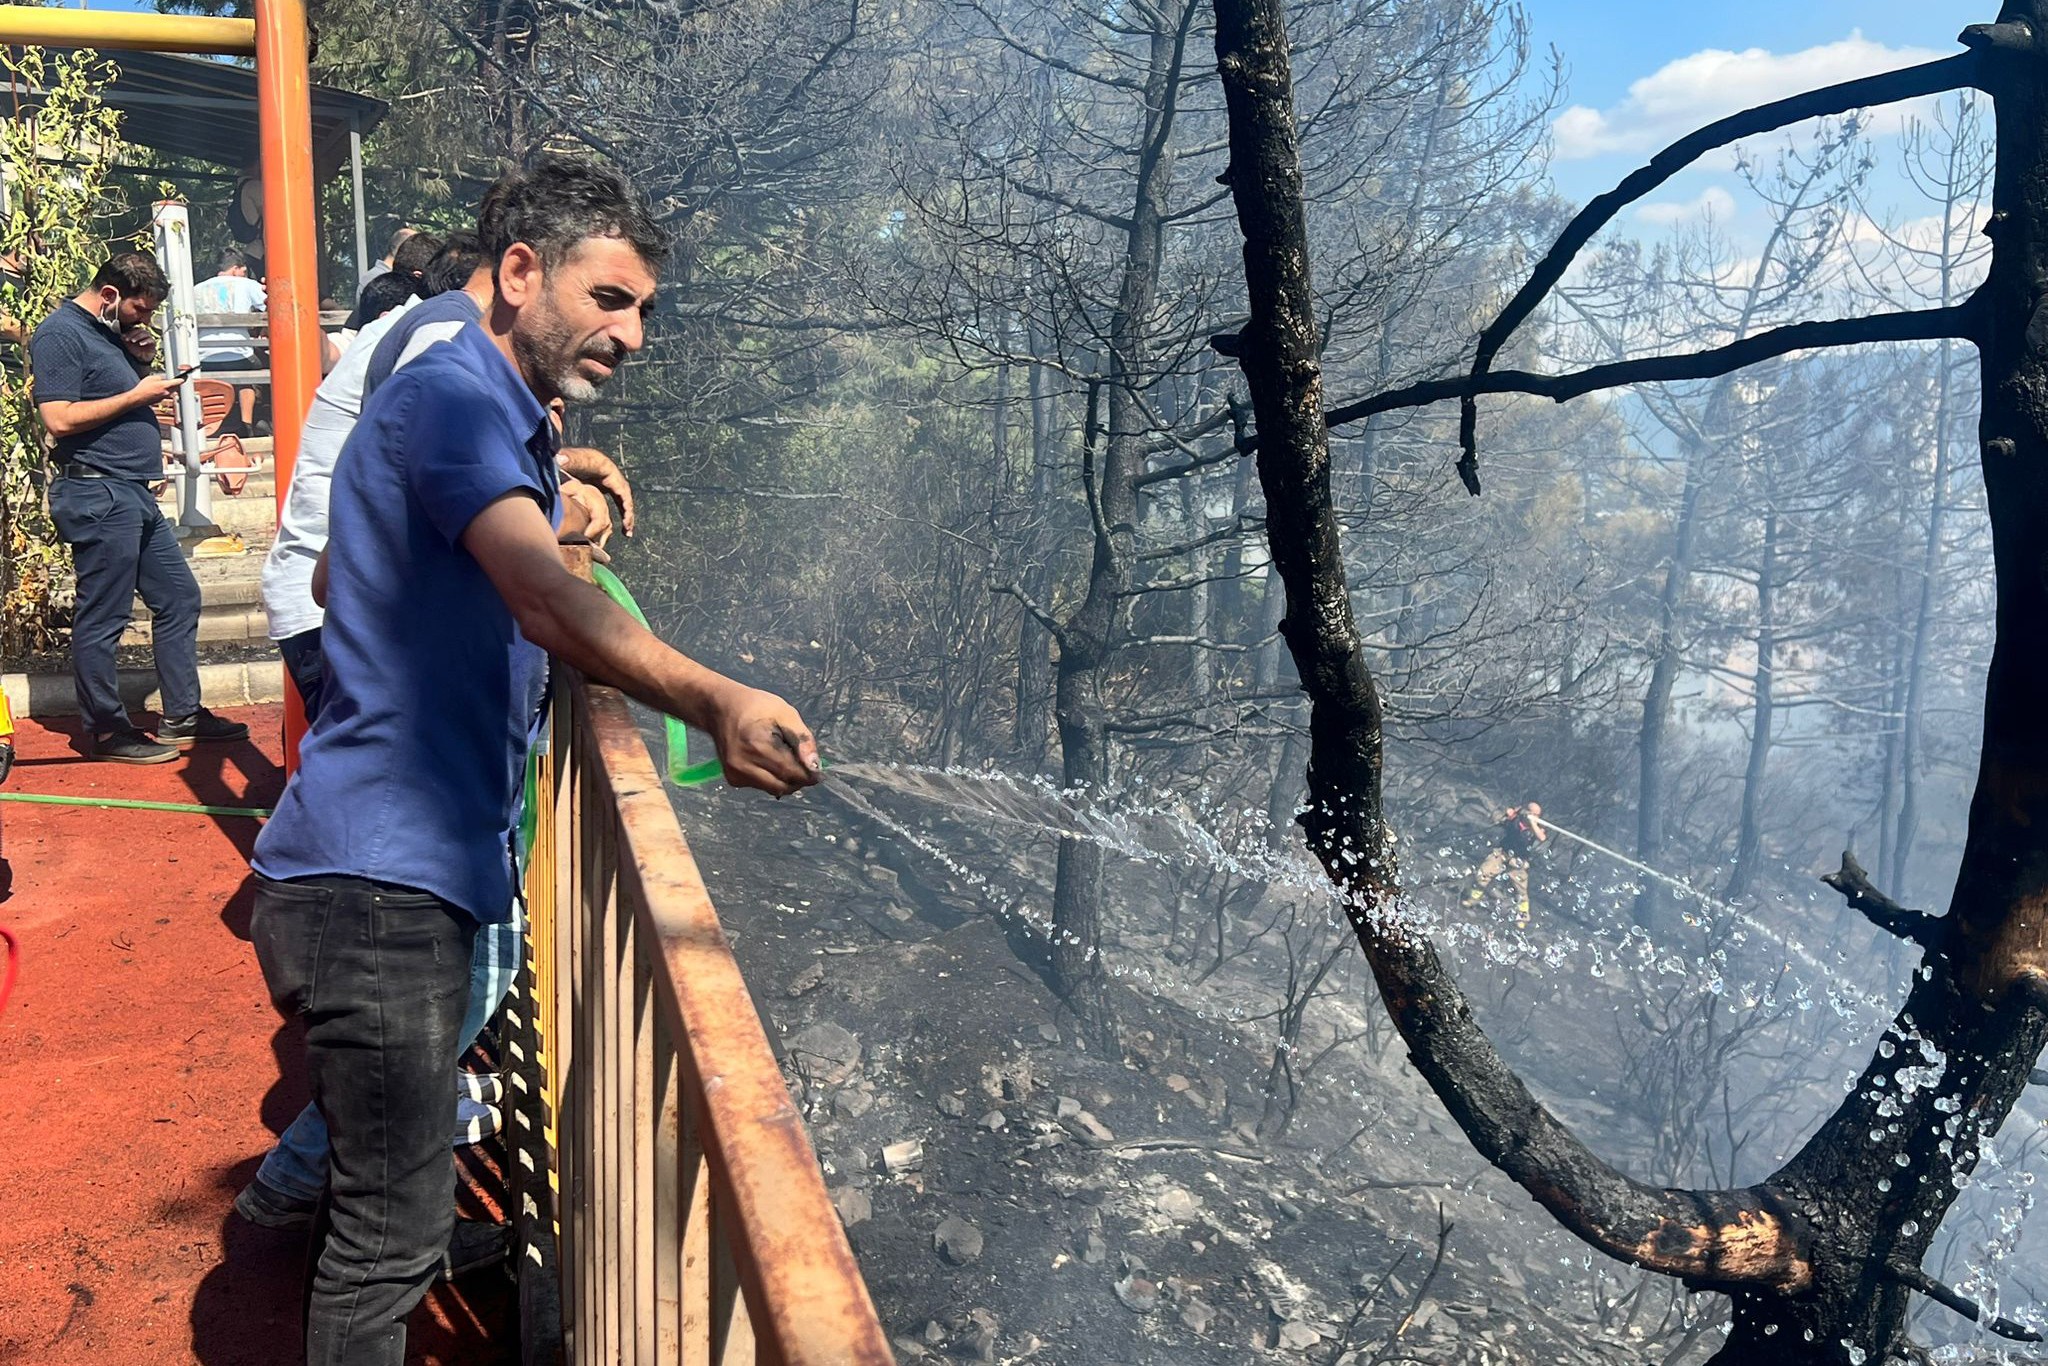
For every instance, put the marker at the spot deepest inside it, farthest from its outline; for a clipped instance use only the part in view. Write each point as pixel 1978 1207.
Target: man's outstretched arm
pixel 761 740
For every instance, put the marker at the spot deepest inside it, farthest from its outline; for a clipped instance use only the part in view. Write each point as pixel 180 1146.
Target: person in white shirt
pixel 231 346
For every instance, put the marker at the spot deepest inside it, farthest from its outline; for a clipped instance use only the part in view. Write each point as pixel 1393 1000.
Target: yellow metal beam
pixel 111 29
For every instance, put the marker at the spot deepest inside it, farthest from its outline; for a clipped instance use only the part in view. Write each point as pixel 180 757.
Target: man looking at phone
pixel 108 453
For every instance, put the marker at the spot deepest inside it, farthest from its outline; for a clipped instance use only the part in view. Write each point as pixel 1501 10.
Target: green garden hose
pixel 680 771
pixel 126 804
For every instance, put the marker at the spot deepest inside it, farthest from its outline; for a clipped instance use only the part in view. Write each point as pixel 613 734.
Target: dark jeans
pixel 307 667
pixel 380 975
pixel 122 546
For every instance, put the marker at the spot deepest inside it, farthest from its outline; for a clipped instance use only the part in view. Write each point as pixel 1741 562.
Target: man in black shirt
pixel 107 455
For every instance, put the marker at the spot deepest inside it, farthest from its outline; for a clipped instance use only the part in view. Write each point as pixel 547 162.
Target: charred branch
pixel 1929 78
pixel 1929 324
pixel 1913 1278
pixel 1235 529
pixel 1949 73
pixel 1928 931
pixel 569 127
pixel 1091 430
pixel 1192 466
pixel 2015 37
pixel 1052 624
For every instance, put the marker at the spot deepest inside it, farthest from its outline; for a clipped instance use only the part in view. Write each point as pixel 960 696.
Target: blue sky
pixel 1638 79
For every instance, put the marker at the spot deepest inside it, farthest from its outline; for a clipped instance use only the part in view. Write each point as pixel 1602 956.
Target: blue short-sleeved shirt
pixel 74 357
pixel 411 773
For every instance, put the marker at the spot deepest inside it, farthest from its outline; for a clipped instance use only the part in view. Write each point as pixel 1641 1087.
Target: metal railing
pixel 691 1219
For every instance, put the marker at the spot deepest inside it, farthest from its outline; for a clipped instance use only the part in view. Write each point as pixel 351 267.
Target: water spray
pixel 1677 884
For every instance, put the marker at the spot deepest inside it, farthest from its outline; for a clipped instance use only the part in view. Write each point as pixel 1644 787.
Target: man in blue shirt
pixel 445 593
pixel 286 1190
pixel 108 454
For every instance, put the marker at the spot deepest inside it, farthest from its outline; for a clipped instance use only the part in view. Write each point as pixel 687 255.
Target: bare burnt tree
pixel 1948 158
pixel 1071 231
pixel 1705 289
pixel 1821 1259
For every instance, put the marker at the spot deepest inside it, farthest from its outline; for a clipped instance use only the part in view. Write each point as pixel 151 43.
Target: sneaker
pixel 129 747
pixel 201 726
pixel 485 1088
pixel 476 1121
pixel 472 1246
pixel 268 1207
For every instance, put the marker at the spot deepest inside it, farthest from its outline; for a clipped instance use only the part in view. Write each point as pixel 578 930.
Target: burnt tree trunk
pixel 1090 637
pixel 1913 704
pixel 1977 1006
pixel 506 33
pixel 1652 901
pixel 1749 830
pixel 1820 1259
pixel 1034 643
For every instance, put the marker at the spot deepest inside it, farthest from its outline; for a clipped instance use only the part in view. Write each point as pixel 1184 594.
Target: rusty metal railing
pixel 692 1224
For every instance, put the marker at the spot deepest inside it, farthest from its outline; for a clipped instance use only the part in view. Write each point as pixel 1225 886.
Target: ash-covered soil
pixel 1014 1195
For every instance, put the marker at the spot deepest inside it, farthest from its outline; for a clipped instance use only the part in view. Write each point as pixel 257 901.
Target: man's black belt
pixel 74 470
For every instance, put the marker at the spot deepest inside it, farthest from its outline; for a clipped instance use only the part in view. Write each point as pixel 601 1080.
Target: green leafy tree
pixel 56 159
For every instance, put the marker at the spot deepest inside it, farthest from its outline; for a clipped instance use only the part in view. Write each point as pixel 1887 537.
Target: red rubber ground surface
pixel 143 1073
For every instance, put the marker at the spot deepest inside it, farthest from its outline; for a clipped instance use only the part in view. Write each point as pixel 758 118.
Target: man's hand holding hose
pixel 761 741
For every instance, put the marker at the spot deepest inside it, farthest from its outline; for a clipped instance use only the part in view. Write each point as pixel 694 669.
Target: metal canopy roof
pixel 191 107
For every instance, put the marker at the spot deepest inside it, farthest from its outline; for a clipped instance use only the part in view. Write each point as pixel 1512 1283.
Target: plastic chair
pixel 232 463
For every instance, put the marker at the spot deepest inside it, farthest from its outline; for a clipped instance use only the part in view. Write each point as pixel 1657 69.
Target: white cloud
pixel 1711 203
pixel 1696 90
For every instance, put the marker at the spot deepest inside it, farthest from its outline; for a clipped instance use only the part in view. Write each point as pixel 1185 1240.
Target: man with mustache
pixel 285 1192
pixel 445 594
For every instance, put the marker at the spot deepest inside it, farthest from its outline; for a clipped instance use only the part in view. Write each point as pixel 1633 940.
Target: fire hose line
pixel 1645 869
pixel 128 804
pixel 1792 947
pixel 680 770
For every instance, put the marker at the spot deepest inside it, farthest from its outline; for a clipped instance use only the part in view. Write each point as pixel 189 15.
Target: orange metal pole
pixel 291 255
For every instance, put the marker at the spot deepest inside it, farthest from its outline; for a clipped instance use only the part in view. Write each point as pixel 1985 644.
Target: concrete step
pixel 234 683
pixel 250 514
pixel 231 598
pixel 218 622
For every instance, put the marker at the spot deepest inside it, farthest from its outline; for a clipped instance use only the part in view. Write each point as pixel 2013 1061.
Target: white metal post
pixel 181 350
pixel 355 169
